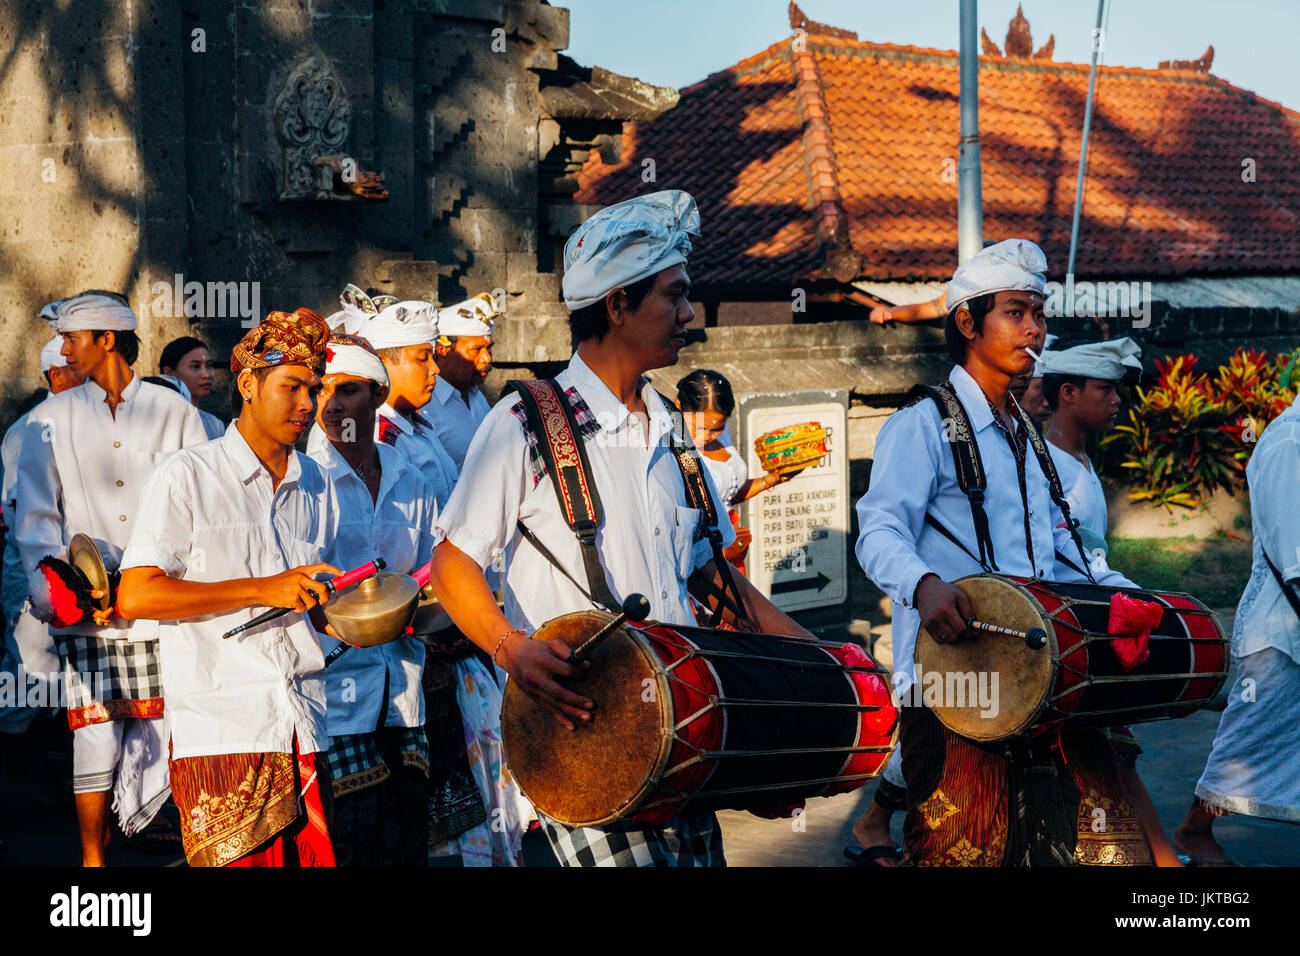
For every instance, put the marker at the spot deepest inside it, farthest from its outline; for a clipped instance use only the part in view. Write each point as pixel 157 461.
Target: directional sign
pixel 799 553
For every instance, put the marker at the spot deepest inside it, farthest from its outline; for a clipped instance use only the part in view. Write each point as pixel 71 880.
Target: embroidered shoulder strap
pixel 1058 494
pixel 697 493
pixel 551 420
pixel 970 469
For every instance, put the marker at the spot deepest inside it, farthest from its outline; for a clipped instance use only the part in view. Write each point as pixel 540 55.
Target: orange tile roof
pixel 1164 194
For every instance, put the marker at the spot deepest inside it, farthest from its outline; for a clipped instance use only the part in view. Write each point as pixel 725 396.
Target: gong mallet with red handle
pixel 332 587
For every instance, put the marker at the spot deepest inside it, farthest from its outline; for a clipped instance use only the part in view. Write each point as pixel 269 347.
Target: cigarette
pixel 1034 355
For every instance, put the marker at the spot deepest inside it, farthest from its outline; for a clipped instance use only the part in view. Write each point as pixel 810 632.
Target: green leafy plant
pixel 1191 434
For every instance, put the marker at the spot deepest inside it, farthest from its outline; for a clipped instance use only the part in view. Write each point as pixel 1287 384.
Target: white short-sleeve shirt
pixel 83 469
pixel 397 526
pixel 214 516
pixel 651 539
pixel 454 421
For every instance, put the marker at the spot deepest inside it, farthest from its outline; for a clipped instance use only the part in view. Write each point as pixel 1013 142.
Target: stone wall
pixel 144 140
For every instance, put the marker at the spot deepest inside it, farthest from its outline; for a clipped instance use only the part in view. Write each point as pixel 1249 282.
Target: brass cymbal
pixel 374 611
pixel 83 554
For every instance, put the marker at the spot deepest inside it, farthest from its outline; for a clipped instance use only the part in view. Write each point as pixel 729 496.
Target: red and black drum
pixel 700 718
pixel 1076 680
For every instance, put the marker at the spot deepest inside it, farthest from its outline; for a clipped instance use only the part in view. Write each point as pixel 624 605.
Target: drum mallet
pixel 635 608
pixel 332 586
pixel 1035 638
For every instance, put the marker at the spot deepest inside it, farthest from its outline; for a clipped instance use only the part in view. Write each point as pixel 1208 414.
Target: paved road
pixel 1174 753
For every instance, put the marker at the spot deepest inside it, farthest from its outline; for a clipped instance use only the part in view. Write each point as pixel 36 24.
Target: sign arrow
pixel 801 584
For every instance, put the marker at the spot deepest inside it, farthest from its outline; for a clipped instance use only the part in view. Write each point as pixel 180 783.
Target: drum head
pixel 603 768
pixel 1024 676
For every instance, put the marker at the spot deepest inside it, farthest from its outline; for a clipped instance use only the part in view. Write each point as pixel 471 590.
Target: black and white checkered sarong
pixel 694 840
pixel 102 675
pixel 356 761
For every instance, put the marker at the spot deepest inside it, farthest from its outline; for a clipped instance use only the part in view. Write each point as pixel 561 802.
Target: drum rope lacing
pixel 702 755
pixel 1087 680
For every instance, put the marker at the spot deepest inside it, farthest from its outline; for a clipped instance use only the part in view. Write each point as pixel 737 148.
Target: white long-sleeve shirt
pixel 650 541
pixel 913 473
pixel 1264 617
pixel 454 422
pixel 213 515
pixel 397 526
pixel 83 469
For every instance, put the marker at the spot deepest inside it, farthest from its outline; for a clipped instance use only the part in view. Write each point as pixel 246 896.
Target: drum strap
pixel 970 469
pixel 552 424
pixel 1058 495
pixel 1287 591
pixel 697 493
pixel 972 481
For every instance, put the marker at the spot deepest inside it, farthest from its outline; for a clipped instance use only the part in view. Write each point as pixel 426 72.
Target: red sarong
pixel 310 834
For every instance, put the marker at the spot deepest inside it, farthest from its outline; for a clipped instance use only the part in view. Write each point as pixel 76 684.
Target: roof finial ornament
pixel 799 21
pixel 1196 66
pixel 1019 41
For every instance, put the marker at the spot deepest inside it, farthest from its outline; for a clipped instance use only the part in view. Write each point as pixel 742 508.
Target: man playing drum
pixel 1010 803
pixel 627 290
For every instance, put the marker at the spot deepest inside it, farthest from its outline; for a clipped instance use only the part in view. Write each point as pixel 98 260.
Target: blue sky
pixel 678 42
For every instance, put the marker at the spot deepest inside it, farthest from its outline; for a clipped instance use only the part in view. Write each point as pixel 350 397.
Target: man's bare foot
pixel 1198 843
pixel 872 830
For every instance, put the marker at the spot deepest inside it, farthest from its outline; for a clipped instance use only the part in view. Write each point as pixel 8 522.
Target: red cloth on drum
pixel 1131 621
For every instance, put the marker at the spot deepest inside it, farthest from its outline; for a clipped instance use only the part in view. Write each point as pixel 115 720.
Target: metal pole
pixel 1097 42
pixel 970 209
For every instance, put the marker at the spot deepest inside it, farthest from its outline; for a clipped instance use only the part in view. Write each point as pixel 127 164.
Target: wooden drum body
pixel 1076 681
pixel 698 718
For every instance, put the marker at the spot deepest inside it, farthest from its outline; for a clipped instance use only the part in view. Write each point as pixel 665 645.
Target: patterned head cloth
pixel 1012 264
pixel 626 242
pixel 283 338
pixel 352 355
pixel 474 316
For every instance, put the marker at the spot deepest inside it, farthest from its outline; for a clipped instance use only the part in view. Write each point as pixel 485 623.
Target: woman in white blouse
pixel 706 402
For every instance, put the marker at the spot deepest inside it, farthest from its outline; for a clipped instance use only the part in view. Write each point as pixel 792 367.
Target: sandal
pixel 871 856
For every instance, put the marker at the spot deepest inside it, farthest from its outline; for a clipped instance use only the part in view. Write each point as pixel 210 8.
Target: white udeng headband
pixel 354 360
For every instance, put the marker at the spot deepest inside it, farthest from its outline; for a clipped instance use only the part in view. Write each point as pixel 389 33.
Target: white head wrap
pixel 1002 267
pixel 342 358
pixel 1111 360
pixel 474 316
pixel 89 311
pixel 626 242
pixel 357 306
pixel 410 322
pixel 50 357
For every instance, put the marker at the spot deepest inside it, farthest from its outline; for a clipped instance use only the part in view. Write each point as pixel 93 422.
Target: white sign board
pixel 800 529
